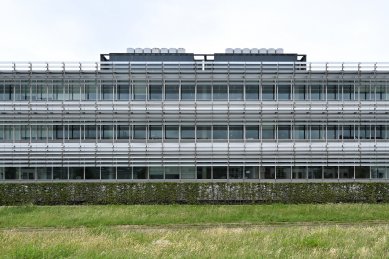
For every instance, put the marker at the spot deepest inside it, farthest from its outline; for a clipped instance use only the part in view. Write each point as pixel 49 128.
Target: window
pixel 317 132
pixel 219 132
pixel 172 92
pixel 330 172
pixel 316 92
pixel 139 132
pixel 268 132
pixel 107 92
pixel 299 92
pixel 348 132
pixel 139 92
pixel 235 172
pixel 364 91
pixel 90 92
pixel 236 92
pixel 188 92
pixel 204 172
pixel 314 172
pixel 107 132
pixel 252 92
pixel 123 132
pixel 220 92
pixel 188 172
pixel 252 132
pixel 172 172
pixel 332 132
pixel 172 132
pixel 92 173
pixel 204 92
pixel 155 92
pixel 283 172
pixel 90 132
pixel 236 132
pixel 156 172
pixel 123 92
pixel 332 91
pixel 300 132
pixel 284 132
pixel 348 92
pixel 204 132
pixel 139 172
pixel 283 92
pixel 268 92
pixel 187 132
pixel 299 172
pixel 155 132
pixel 122 172
pixel 220 172
pixel 251 172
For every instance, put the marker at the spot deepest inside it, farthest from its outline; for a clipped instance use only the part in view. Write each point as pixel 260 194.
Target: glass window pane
pixel 362 172
pixel 124 172
pixel 140 173
pixel 236 132
pixel 204 172
pixel 267 172
pixel 300 132
pixel 172 172
pixel 123 132
pixel 155 92
pixel 123 91
pixel 219 132
pixel 284 92
pixel 140 92
pixel 299 172
pixel 188 172
pixel 107 92
pixel 188 92
pixel 90 132
pixel 91 92
pixel 155 132
pixel 330 172
pixel 252 92
pixel 108 173
pixel 284 132
pixel 60 173
pixel 268 92
pixel 332 132
pixel 220 172
pixel 317 132
pixel 235 172
pixel 204 92
pixel 284 172
pixel 156 172
pixel 252 132
pixel 139 132
pixel 332 91
pixel 187 132
pixel 220 92
pixel 204 132
pixel 268 132
pixel 346 172
pixel 314 172
pixel 299 92
pixel 171 132
pixel 107 132
pixel 348 92
pixel 251 172
pixel 76 173
pixel 316 92
pixel 172 92
pixel 236 92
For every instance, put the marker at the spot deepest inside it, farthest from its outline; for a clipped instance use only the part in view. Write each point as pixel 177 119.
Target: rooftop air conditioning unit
pixel 155 50
pixel 164 50
pixel 146 50
pixel 254 51
pixel 280 51
pixel 130 50
pixel 246 51
pixel 138 50
pixel 271 51
pixel 263 51
pixel 229 51
pixel 172 50
pixel 181 50
pixel 238 51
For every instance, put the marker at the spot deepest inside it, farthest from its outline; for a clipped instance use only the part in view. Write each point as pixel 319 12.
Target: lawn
pixel 321 231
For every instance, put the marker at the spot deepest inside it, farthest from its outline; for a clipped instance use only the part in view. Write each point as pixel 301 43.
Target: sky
pixel 80 30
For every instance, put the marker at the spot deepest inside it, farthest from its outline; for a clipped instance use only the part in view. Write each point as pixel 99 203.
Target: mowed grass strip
pixel 111 215
pixel 217 242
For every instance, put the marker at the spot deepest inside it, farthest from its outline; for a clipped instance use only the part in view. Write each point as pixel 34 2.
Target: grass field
pixel 297 231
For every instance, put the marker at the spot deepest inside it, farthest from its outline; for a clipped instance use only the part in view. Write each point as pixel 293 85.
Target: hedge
pixel 190 193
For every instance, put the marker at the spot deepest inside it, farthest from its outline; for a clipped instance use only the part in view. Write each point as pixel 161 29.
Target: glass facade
pixel 202 120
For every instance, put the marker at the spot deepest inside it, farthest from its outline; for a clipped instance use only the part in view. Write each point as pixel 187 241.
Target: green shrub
pixel 190 193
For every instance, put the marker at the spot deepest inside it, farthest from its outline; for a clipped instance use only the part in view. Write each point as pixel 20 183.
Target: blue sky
pixel 342 30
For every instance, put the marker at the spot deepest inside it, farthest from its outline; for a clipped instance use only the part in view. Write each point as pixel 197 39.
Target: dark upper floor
pixel 179 55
